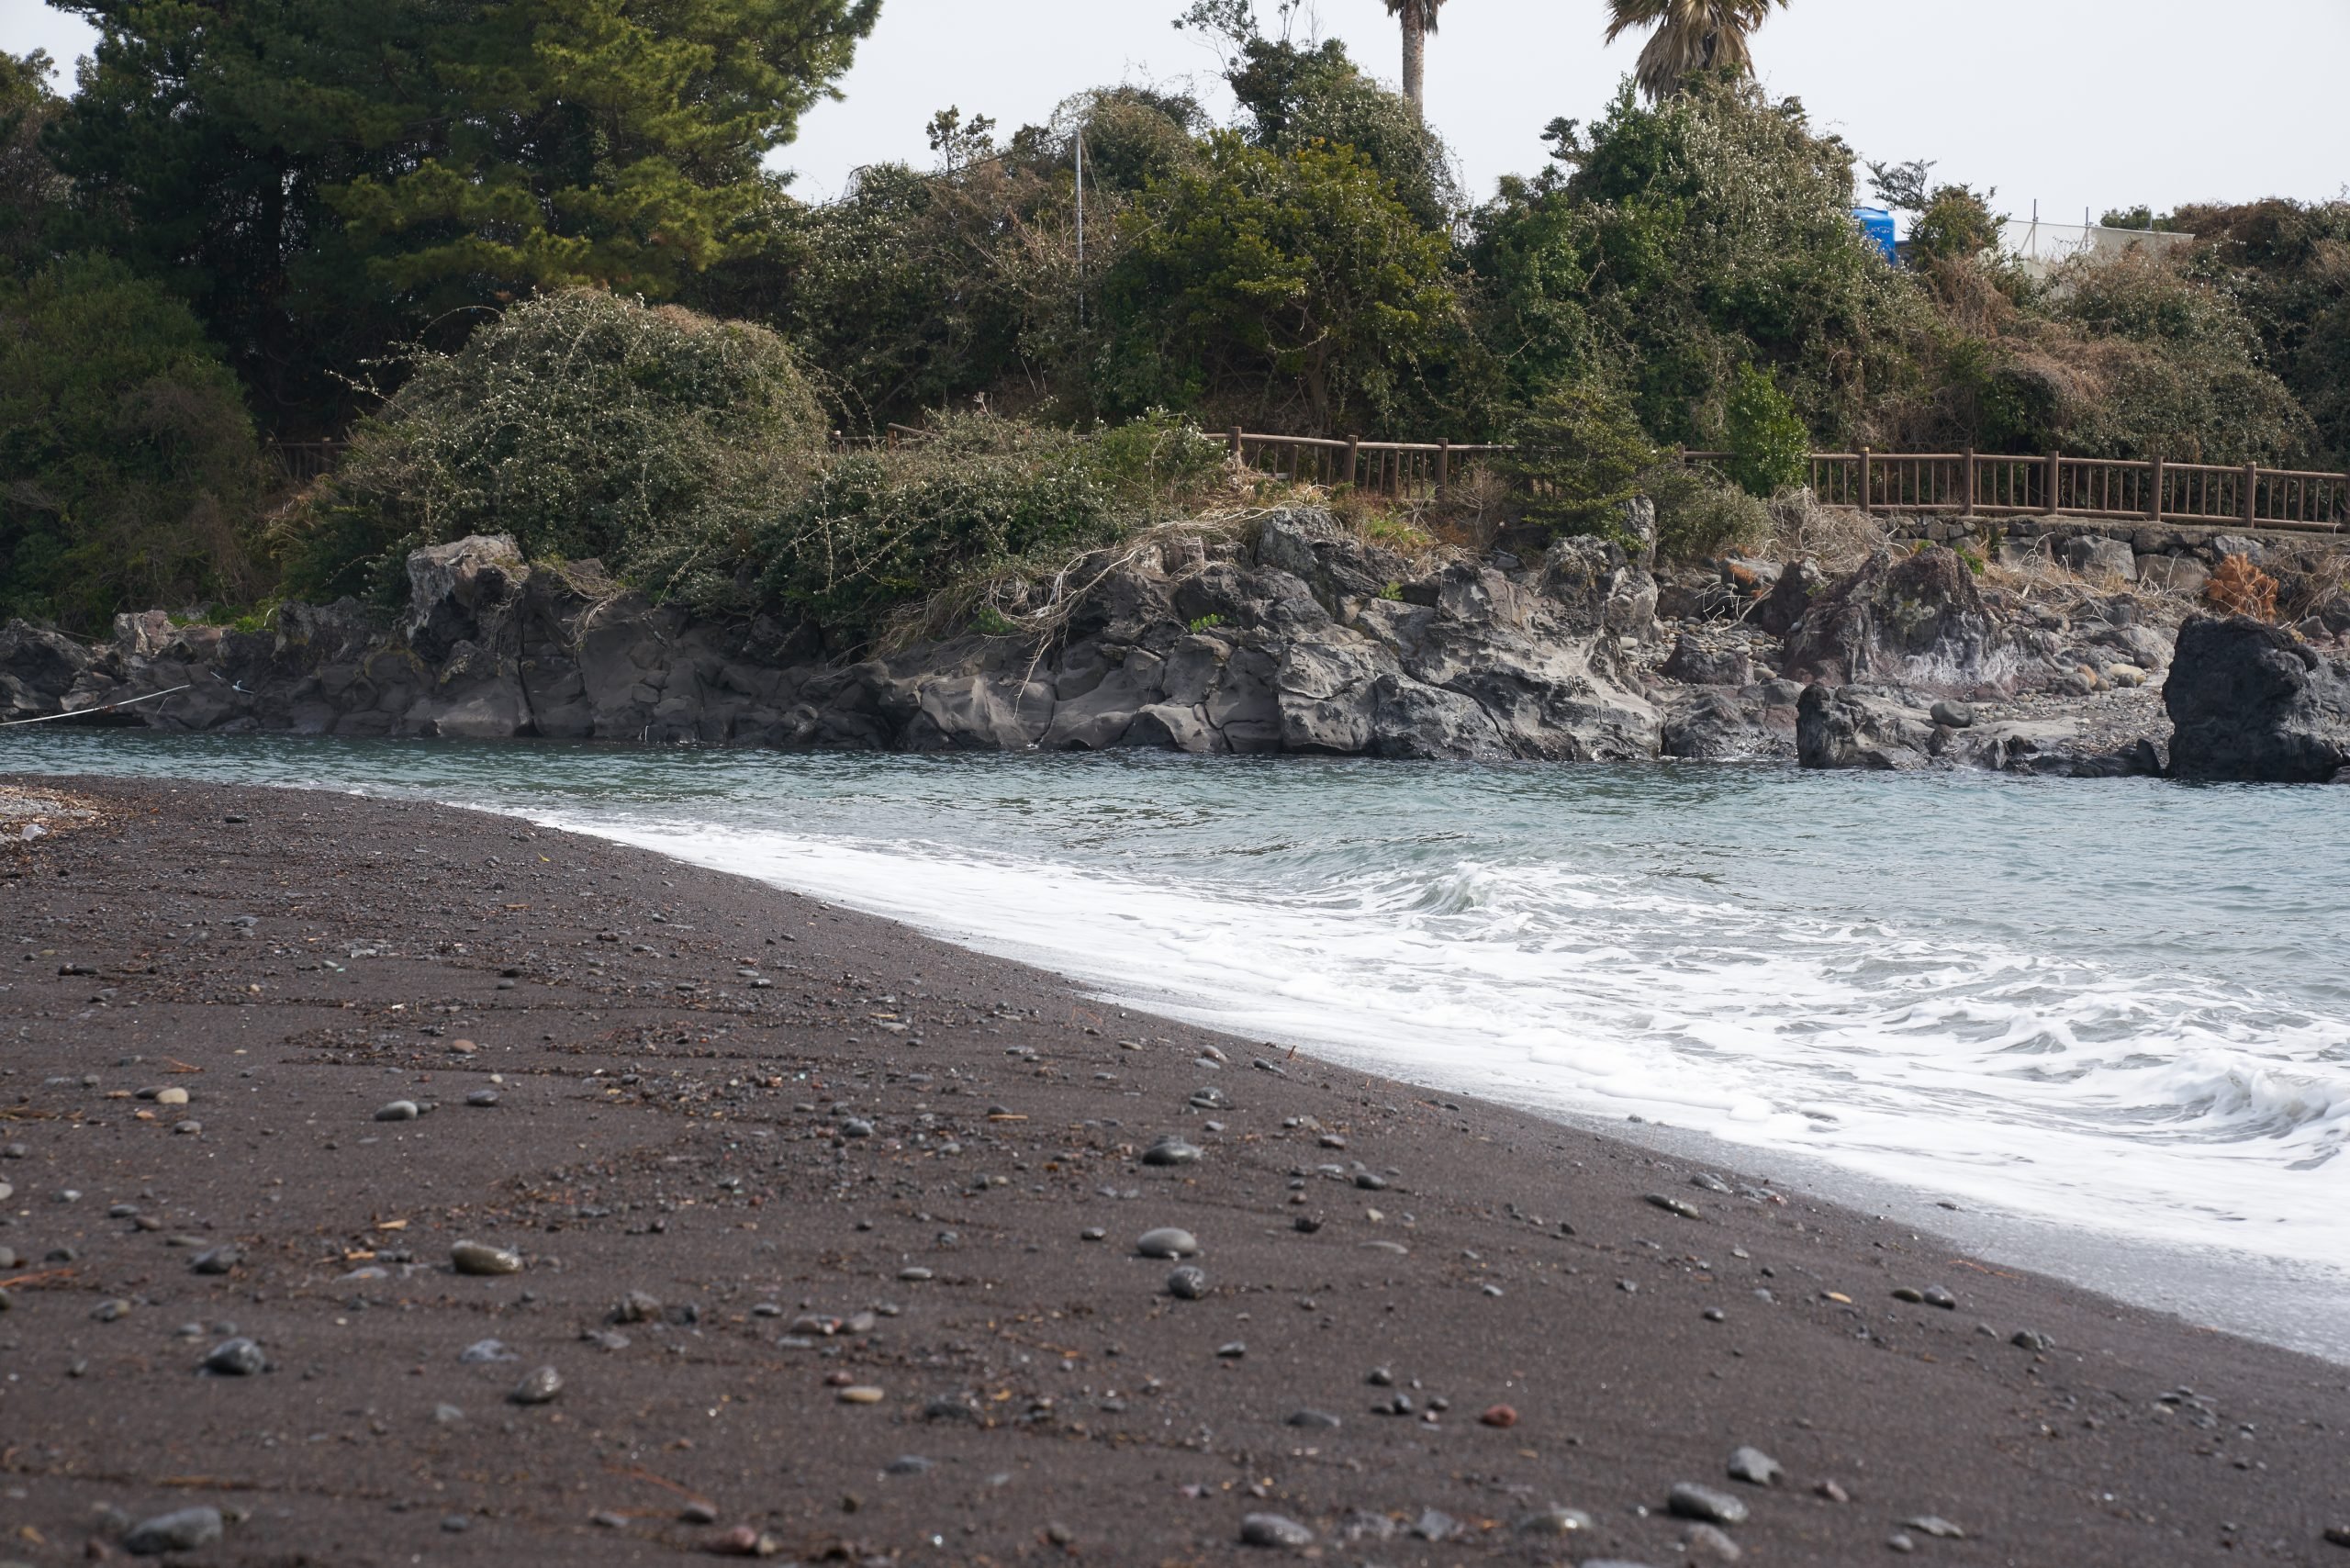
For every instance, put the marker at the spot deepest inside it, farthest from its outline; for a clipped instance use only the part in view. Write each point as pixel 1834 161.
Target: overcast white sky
pixel 2074 103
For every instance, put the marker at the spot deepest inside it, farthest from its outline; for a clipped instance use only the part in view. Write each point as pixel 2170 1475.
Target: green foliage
pixel 1673 244
pixel 1769 447
pixel 321 179
pixel 30 189
pixel 581 424
pixel 1580 454
pixel 1700 515
pixel 131 473
pixel 879 531
pixel 2287 267
pixel 1294 96
pixel 1286 287
pixel 1954 223
pixel 1157 459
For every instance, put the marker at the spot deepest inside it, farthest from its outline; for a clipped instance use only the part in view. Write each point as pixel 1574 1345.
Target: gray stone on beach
pixel 398 1111
pixel 1752 1464
pixel 1187 1283
pixel 480 1257
pixel 1689 1501
pixel 1275 1530
pixel 1168 1241
pixel 482 1098
pixel 1936 1526
pixel 184 1529
pixel 1957 715
pixel 1171 1150
pixel 1319 1419
pixel 236 1358
pixel 540 1385
pixel 1552 1522
pixel 216 1261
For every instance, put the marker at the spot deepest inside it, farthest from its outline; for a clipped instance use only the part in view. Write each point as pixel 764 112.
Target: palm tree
pixel 1692 36
pixel 1420 21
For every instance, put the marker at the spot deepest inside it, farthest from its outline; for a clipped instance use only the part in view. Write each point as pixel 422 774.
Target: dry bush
pixel 1838 537
pixel 2239 588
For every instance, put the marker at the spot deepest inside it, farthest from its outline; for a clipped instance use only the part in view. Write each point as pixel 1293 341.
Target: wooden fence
pixel 1965 484
pixel 1976 485
pixel 1383 468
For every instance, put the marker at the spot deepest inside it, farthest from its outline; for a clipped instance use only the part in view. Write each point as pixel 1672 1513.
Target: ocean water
pixel 2110 1020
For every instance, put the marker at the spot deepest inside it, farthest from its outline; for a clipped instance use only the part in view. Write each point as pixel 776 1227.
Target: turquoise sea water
pixel 2115 1014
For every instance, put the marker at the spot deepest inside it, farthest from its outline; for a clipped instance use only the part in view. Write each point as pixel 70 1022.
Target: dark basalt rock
pixel 2251 702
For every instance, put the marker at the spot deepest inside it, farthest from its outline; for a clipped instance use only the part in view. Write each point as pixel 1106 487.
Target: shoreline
pixel 1117 1428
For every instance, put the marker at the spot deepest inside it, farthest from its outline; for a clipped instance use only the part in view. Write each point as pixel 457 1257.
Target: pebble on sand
pixel 1187 1283
pixel 1690 1501
pixel 480 1257
pixel 236 1358
pixel 1276 1531
pixel 1171 1150
pixel 398 1111
pixel 1753 1465
pixel 1552 1522
pixel 1167 1242
pixel 861 1393
pixel 183 1530
pixel 1498 1416
pixel 216 1261
pixel 540 1385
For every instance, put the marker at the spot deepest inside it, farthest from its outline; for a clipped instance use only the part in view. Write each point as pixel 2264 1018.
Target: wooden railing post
pixel 1354 450
pixel 1234 438
pixel 1443 462
pixel 2154 490
pixel 2251 492
pixel 2055 481
pixel 1968 483
pixel 1867 503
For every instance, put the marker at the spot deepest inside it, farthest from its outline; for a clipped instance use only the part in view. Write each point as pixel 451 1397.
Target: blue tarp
pixel 1878 224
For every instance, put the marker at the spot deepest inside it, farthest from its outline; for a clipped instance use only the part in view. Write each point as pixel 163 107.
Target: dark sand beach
pixel 828 1232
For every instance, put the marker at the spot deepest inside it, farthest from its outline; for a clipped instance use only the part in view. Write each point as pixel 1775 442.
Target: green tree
pixel 1955 223
pixel 322 179
pixel 1769 447
pixel 129 474
pixel 1692 38
pixel 31 187
pixel 1278 285
pixel 1291 96
pixel 1579 456
pixel 1673 244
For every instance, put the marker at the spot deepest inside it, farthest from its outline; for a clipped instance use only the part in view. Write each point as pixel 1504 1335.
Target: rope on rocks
pixel 85 713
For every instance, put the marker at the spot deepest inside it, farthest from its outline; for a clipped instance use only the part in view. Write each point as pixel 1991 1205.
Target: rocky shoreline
pixel 1300 635
pixel 388 1182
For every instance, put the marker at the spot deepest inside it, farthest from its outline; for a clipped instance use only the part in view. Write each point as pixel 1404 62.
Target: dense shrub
pixel 1290 289
pixel 1580 453
pixel 875 533
pixel 1769 448
pixel 580 423
pixel 1670 245
pixel 128 473
pixel 1700 515
pixel 1296 97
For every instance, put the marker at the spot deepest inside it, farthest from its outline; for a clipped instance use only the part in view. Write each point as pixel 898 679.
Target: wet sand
pixel 803 1204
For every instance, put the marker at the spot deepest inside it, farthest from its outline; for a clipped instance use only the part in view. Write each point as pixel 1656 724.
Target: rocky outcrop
pixel 1892 730
pixel 1303 639
pixel 2253 702
pixel 1916 620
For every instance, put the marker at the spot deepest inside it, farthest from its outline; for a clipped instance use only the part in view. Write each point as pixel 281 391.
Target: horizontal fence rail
pixel 1983 484
pixel 1968 484
pixel 1383 468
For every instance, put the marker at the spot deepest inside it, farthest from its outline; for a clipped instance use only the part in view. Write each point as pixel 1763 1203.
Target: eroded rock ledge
pixel 1305 638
